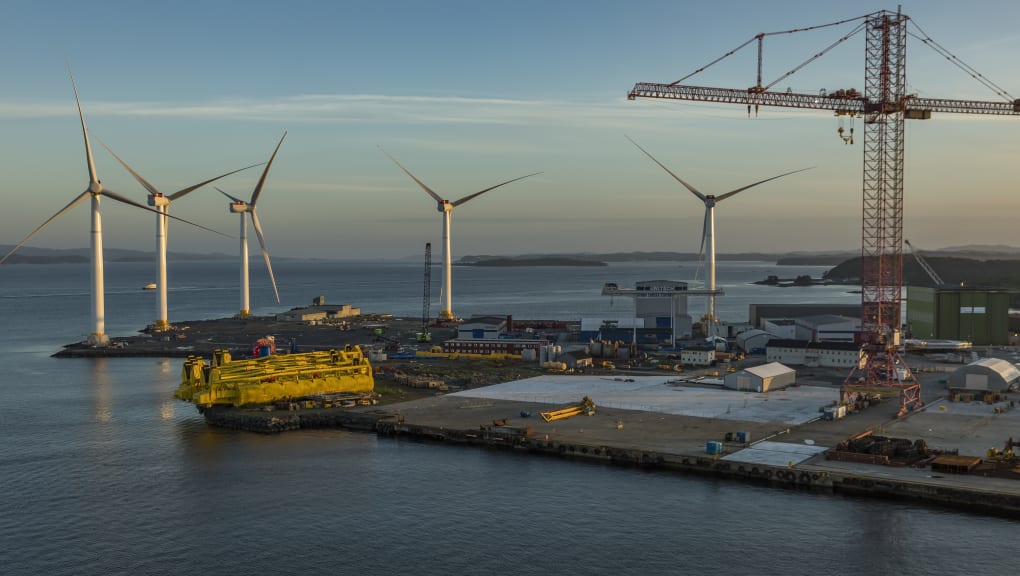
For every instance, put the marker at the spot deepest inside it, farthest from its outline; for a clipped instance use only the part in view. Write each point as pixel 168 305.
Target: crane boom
pixel 923 262
pixel 913 106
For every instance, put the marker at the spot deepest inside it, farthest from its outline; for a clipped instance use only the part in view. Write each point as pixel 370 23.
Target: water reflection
pixel 102 405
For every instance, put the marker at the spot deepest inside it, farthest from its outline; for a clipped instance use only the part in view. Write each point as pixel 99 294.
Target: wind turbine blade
pixel 734 192
pixel 663 166
pixel 190 189
pixel 476 194
pixel 145 183
pixel 431 193
pixel 265 252
pixel 228 195
pixel 94 184
pixel 262 180
pixel 60 213
pixel 119 198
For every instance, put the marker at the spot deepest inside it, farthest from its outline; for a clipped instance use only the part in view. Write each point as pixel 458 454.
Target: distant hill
pixel 532 261
pixel 826 259
pixel 991 273
pixel 33 255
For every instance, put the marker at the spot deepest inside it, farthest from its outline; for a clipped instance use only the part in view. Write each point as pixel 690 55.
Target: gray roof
pixel 769 370
pixel 1003 368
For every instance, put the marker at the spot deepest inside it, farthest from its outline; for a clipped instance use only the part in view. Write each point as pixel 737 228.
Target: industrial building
pixel 980 316
pixel 985 375
pixel 758 312
pixel 576 359
pixel 753 341
pixel 483 327
pixel 493 346
pixel 660 305
pixel 319 311
pixel 771 376
pixel 610 328
pixel 815 328
pixel 696 357
pixel 814 354
pixel 827 328
pixel 782 328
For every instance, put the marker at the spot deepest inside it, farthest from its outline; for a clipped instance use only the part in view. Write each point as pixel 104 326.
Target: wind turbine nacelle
pixel 444 206
pixel 158 200
pixel 238 207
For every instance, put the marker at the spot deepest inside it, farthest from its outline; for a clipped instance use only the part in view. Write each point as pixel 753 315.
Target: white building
pixel 782 328
pixel 827 328
pixel 660 304
pixel 987 374
pixel 663 304
pixel 318 311
pixel 695 357
pixel 482 328
pixel 772 376
pixel 749 340
pixel 814 354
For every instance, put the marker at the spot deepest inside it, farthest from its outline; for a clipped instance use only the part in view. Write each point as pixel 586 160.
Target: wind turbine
pixel 96 191
pixel 240 207
pixel 708 228
pixel 445 207
pixel 162 205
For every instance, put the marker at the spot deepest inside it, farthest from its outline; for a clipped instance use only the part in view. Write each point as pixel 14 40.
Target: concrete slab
pixel 971 428
pixel 776 453
pixel 792 406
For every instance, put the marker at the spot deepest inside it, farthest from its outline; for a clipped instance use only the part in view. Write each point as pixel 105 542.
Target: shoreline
pixel 639 441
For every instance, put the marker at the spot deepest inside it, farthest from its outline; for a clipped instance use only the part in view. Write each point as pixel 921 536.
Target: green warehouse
pixel 977 315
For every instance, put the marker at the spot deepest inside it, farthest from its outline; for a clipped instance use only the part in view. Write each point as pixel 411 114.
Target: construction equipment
pixel 587 406
pixel 273 378
pixel 935 278
pixel 425 335
pixel 884 107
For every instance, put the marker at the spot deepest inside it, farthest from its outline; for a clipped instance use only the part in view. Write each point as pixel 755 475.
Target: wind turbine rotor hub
pixel 95 187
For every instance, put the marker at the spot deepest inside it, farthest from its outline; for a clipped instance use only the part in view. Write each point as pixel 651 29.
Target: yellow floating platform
pixel 228 382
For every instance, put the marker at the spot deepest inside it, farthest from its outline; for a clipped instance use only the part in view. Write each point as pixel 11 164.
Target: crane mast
pixel 884 106
pixel 425 335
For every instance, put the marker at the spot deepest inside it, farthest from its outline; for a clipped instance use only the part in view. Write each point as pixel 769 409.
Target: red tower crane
pixel 883 106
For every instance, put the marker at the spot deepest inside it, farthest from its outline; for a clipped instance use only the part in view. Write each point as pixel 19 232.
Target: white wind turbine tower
pixel 446 207
pixel 162 203
pixel 241 208
pixel 96 191
pixel 708 228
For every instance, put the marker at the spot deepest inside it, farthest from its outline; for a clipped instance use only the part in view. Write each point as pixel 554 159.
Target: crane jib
pixel 914 107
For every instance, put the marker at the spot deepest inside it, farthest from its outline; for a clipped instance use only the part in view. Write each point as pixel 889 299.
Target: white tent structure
pixel 762 378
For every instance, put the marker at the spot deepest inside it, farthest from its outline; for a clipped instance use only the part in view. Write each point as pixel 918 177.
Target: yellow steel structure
pixel 587 406
pixel 265 380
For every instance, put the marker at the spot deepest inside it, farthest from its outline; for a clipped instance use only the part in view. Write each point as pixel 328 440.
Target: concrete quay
pixel 659 423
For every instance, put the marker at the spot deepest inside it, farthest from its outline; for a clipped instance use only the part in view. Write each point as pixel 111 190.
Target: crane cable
pixel 931 43
pixel 761 35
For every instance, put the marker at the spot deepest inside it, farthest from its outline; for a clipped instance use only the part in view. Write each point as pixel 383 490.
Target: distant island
pixel 534 261
pixel 803 280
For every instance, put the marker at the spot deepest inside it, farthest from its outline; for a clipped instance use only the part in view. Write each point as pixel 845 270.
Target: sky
pixel 468 94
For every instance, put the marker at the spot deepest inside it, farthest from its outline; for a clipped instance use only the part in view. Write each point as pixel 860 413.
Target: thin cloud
pixel 352 109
